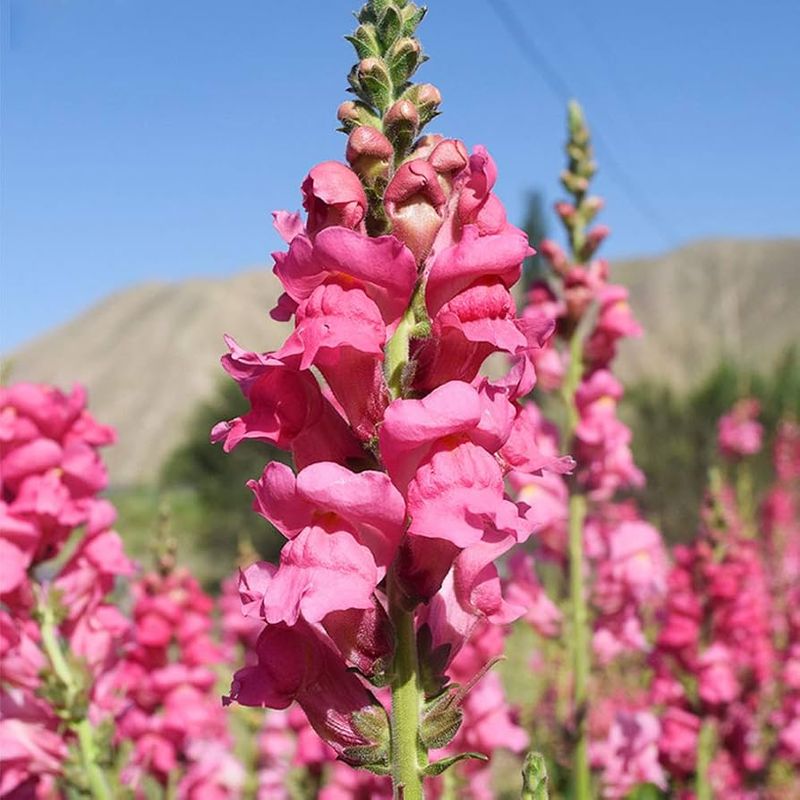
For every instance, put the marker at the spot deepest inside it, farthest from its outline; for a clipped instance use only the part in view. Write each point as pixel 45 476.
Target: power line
pixel 562 91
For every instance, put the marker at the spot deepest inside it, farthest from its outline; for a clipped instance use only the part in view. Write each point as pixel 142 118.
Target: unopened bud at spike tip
pixel 347 112
pixel 369 152
pixel 402 111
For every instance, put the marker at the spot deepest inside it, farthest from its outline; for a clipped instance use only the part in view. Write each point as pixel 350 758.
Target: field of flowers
pixel 468 603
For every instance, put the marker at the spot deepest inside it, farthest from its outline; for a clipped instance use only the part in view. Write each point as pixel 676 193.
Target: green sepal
pixel 357 88
pixel 404 57
pixel 374 86
pixel 438 767
pixel 365 41
pixel 370 757
pixel 373 724
pixel 412 16
pixel 373 10
pixel 422 330
pixel 390 26
pixel 441 718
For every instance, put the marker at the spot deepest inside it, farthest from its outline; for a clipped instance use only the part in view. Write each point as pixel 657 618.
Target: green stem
pixel 581 657
pixel 98 787
pixel 407 756
pixel 397 353
pixel 705 754
pixel 580 643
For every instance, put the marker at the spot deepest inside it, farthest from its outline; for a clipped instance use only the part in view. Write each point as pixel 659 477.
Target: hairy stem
pixel 581 656
pixel 98 787
pixel 407 756
pixel 580 644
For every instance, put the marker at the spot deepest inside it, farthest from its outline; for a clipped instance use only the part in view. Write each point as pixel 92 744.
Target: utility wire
pixel 561 89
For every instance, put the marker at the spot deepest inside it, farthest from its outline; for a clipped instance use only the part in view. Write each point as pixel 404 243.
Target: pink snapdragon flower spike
pixel 629 755
pixel 715 660
pixel 397 283
pixel 610 566
pixel 54 705
pixel 172 717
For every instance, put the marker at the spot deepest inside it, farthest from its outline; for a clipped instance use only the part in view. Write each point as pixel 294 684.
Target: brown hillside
pixel 150 354
pixel 735 298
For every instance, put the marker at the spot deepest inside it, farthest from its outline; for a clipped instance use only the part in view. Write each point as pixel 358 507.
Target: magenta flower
pixel 364 504
pixel 295 663
pixel 333 195
pixel 629 755
pixel 739 433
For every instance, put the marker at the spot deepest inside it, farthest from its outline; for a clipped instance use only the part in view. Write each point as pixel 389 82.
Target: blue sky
pixel 145 139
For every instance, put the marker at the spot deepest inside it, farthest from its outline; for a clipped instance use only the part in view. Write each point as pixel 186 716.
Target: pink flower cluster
pixel 625 559
pixel 51 473
pixel 602 441
pixel 400 466
pixel 624 747
pixel 584 527
pixel 739 433
pixel 173 716
pixel 714 657
pixel 629 579
pixel 780 516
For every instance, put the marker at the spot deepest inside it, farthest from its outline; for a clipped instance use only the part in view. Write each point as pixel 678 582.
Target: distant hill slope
pixel 150 354
pixel 739 298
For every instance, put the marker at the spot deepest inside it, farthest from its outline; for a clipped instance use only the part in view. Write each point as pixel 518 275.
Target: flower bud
pixel 574 184
pixel 333 195
pixel 592 206
pixel 352 114
pixel 401 124
pixel 369 152
pixel 347 112
pixel 404 57
pixel 553 252
pixel 372 82
pixel 594 238
pixel 427 98
pixel 566 211
pixel 414 200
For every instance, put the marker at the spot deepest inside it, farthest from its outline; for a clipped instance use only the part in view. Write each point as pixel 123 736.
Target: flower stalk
pixel 575 180
pixel 705 755
pixel 79 725
pixel 408 758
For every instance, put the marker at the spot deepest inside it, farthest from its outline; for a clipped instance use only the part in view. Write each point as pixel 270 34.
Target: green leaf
pixel 438 767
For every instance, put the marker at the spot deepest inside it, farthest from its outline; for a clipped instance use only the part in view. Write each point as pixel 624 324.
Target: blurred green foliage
pixel 674 435
pixel 218 480
pixel 202 499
